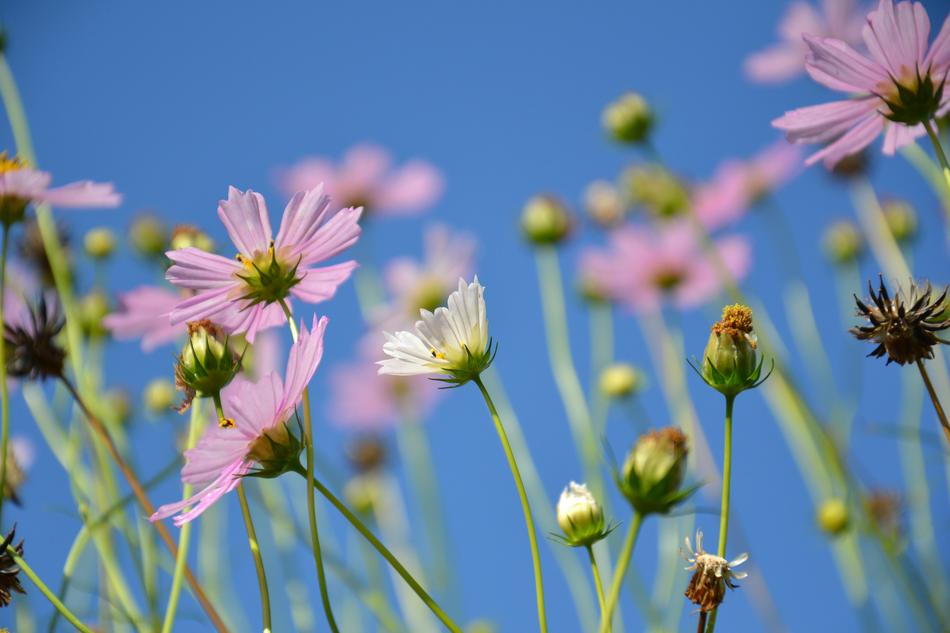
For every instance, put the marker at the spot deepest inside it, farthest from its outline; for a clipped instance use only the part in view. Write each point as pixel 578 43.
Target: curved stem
pixel 311 502
pixel 938 149
pixel 726 486
pixel 621 571
pixel 597 583
pixel 258 560
pixel 4 388
pixel 184 536
pixel 941 414
pixel 384 552
pixel 525 505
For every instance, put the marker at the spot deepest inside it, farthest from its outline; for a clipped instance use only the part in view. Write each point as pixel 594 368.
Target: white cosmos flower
pixel 453 340
pixel 579 515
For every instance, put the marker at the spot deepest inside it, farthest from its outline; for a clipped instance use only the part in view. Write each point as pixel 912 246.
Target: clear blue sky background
pixel 176 101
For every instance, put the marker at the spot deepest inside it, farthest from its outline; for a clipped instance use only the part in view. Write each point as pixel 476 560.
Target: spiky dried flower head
pixel 9 570
pixel 33 352
pixel 904 326
pixel 712 575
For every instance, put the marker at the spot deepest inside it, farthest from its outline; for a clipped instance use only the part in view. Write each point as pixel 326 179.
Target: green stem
pixel 726 487
pixel 46 591
pixel 597 583
pixel 938 149
pixel 525 505
pixel 184 537
pixel 384 552
pixel 622 564
pixel 941 414
pixel 258 560
pixel 4 388
pixel 311 502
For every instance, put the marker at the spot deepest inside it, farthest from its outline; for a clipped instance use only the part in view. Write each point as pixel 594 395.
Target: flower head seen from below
pixel 247 292
pixel 21 185
pixel 895 89
pixel 452 340
pixel 365 178
pixel 259 435
pixel 33 349
pixel 644 267
pixel 580 516
pixel 712 575
pixel 839 19
pixel 905 327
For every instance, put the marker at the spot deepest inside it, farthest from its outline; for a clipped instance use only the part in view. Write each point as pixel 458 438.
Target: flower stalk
pixel 258 560
pixel 938 407
pixel 4 388
pixel 938 150
pixel 598 585
pixel 623 562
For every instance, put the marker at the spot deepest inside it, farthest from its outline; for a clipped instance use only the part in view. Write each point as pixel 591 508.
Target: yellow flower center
pixel 226 423
pixel 10 163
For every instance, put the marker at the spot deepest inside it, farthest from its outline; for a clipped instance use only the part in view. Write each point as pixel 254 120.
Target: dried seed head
pixel 9 570
pixel 712 575
pixel 32 350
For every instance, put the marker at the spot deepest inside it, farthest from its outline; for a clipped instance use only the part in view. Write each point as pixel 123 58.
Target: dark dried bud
pixel 9 570
pixel 366 454
pixel 32 350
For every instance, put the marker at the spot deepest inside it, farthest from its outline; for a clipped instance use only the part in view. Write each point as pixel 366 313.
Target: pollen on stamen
pixel 437 354
pixel 226 423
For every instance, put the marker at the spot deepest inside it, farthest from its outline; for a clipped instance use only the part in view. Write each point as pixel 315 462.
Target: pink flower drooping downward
pixel 366 178
pixel 259 411
pixel 642 267
pixel 894 90
pixel 244 293
pixel 840 19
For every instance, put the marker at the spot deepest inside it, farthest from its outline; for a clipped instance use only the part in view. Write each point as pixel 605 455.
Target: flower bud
pixel 580 516
pixel 656 189
pixel 620 380
pixel 99 242
pixel 851 166
pixel 603 204
pixel 901 219
pixel 731 363
pixel 206 363
pixel 653 472
pixel 276 451
pixel 148 235
pixel 833 517
pixel 188 235
pixel 159 396
pixel 93 308
pixel 117 406
pixel 545 220
pixel 842 242
pixel 366 454
pixel 360 493
pixel 628 119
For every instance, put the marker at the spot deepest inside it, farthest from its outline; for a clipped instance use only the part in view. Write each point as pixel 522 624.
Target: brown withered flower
pixel 33 352
pixel 904 327
pixel 9 570
pixel 711 575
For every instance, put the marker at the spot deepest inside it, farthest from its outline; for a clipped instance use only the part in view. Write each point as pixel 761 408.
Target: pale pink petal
pixel 410 189
pixel 702 282
pixel 307 174
pixel 302 363
pixel 320 284
pixel 82 194
pixel 145 312
pixel 897 136
pixel 364 165
pixel 207 305
pixel 196 269
pixel 334 236
pixel 821 123
pixel 778 63
pixel 852 142
pixel 939 55
pixel 244 214
pixel 838 66
pixel 302 218
pixel 254 406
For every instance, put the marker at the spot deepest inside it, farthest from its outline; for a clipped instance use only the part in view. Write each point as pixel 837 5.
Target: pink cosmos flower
pixel 144 312
pixel 259 410
pixel 363 400
pixel 643 267
pixel 840 19
pixel 738 185
pixel 25 184
pixel 366 179
pixel 893 91
pixel 245 293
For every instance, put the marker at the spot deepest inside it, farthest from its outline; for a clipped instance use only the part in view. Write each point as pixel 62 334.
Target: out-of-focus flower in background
pixel 366 178
pixel 143 312
pixel 363 400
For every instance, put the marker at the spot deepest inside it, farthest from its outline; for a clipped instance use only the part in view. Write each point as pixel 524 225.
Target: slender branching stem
pixel 258 559
pixel 623 562
pixel 4 388
pixel 726 487
pixel 598 585
pixel 938 407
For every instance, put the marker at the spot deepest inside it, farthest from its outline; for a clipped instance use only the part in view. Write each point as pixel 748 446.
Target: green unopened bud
pixel 580 516
pixel 361 493
pixel 731 363
pixel 93 308
pixel 603 204
pixel 481 626
pixel 656 189
pixel 276 451
pixel 628 119
pixel 620 380
pixel 99 242
pixel 545 220
pixel 159 396
pixel 652 475
pixel 117 406
pixel 190 236
pixel 833 517
pixel 901 219
pixel 148 235
pixel 206 364
pixel 842 242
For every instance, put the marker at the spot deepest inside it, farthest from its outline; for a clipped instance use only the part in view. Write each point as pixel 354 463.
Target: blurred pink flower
pixel 362 400
pixel 365 178
pixel 840 19
pixel 643 267
pixel 144 312
pixel 25 184
pixel 223 455
pixel 243 293
pixel 896 36
pixel 738 185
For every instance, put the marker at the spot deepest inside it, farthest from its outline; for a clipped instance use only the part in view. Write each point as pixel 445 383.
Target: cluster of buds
pixel 206 364
pixel 731 363
pixel 629 119
pixel 580 516
pixel 545 220
pixel 652 474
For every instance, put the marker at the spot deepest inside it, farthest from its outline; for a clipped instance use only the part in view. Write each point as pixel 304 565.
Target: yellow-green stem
pixel 46 591
pixel 4 388
pixel 525 505
pixel 258 560
pixel 938 149
pixel 621 571
pixel 726 486
pixel 598 586
pixel 311 502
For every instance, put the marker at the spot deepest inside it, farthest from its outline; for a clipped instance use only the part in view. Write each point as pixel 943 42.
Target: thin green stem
pixel 621 571
pixel 4 388
pixel 184 536
pixel 598 585
pixel 311 502
pixel 258 560
pixel 384 552
pixel 941 414
pixel 726 487
pixel 525 505
pixel 938 149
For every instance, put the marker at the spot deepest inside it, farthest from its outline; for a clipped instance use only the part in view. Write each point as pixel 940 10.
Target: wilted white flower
pixel 712 574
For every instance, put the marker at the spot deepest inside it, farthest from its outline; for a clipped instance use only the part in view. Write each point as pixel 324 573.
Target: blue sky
pixel 175 101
